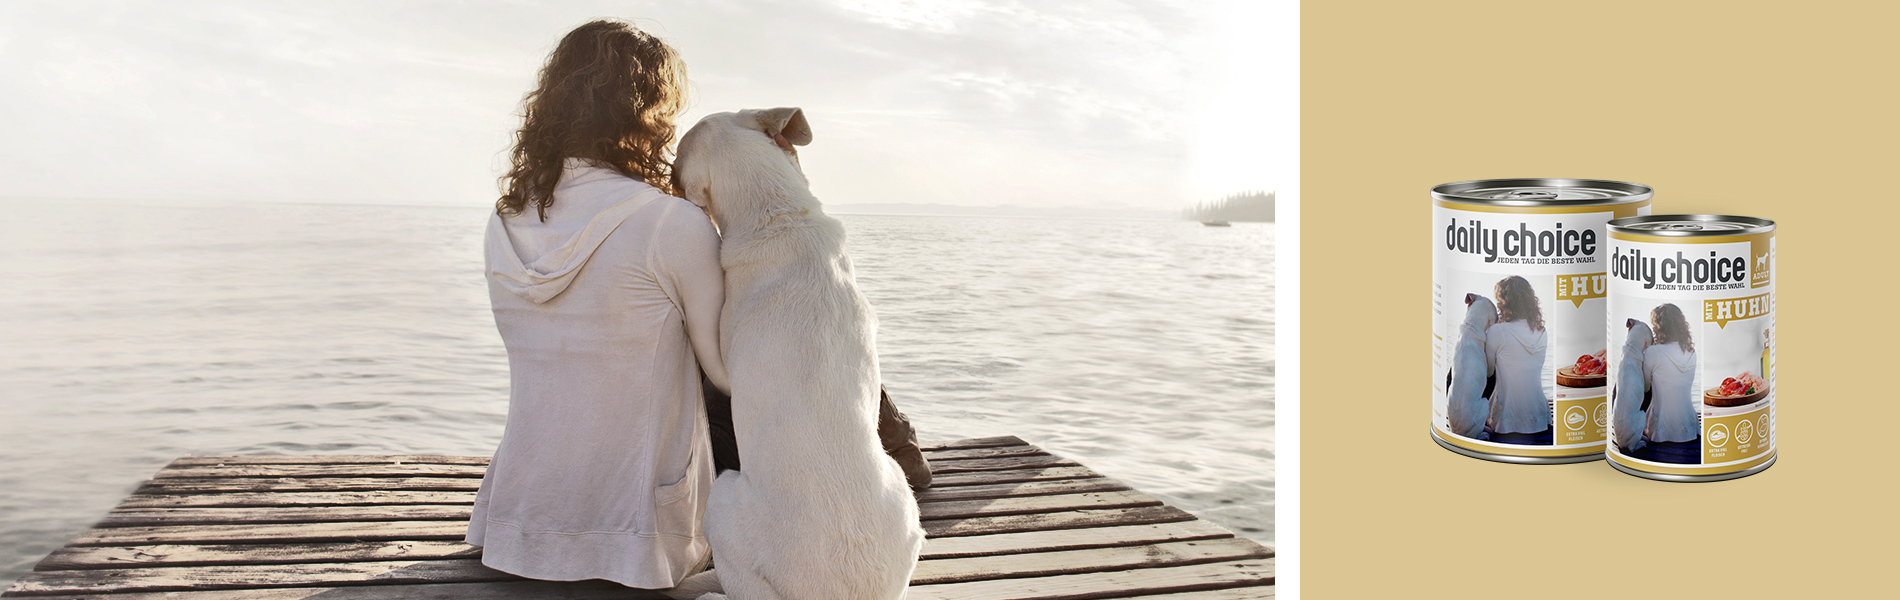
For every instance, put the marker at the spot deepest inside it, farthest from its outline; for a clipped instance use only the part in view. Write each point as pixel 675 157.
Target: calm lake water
pixel 134 333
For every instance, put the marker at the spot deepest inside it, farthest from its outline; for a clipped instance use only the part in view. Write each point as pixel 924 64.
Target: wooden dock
pixel 1006 521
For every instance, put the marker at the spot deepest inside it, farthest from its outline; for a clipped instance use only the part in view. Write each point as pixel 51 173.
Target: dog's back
pixel 818 510
pixel 1466 407
pixel 1630 388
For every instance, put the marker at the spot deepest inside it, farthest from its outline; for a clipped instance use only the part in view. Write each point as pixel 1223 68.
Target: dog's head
pixel 1480 313
pixel 732 157
pixel 1640 336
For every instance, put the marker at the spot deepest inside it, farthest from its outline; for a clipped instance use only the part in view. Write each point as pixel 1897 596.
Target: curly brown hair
pixel 1516 300
pixel 1671 326
pixel 608 94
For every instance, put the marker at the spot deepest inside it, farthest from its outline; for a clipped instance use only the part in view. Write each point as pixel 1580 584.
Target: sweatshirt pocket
pixel 677 503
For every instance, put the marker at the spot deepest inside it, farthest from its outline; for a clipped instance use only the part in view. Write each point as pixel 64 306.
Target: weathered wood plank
pixel 146 517
pixel 1116 584
pixel 1008 445
pixel 1046 521
pixel 187 555
pixel 1262 592
pixel 326 484
pixel 338 498
pixel 1046 564
pixel 1038 459
pixel 347 470
pixel 944 480
pixel 295 533
pixel 1026 488
pixel 381 498
pixel 155 517
pixel 167 555
pixel 1000 464
pixel 1072 539
pixel 256 577
pixel 983 442
pixel 507 590
pixel 287 533
pixel 326 459
pixel 962 509
pixel 412 572
pixel 450 484
pixel 935 456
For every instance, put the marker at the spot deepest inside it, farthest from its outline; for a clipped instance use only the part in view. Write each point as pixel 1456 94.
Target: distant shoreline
pixel 869 210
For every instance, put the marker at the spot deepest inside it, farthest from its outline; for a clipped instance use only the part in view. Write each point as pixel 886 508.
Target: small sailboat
pixel 1217 223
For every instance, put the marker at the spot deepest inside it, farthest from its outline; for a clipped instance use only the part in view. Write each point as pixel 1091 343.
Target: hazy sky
pixel 1039 103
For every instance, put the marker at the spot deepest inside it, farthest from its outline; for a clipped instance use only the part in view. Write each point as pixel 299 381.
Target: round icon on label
pixel 1761 427
pixel 1602 414
pixel 1718 435
pixel 1575 417
pixel 1744 432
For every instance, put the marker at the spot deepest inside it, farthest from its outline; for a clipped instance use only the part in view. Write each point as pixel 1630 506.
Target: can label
pixel 1518 294
pixel 1692 324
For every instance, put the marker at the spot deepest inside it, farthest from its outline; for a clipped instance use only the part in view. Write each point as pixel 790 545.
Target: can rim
pixel 1749 225
pixel 1458 191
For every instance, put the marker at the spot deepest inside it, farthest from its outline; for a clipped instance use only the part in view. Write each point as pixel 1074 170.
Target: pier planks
pixel 1005 519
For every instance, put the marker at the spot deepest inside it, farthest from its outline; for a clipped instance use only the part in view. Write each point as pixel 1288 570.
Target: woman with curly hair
pixel 1515 350
pixel 606 289
pixel 1669 371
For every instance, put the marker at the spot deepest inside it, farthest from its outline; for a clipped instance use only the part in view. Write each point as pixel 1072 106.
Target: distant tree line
pixel 1244 206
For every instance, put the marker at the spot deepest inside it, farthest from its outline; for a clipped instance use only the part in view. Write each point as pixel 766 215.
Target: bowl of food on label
pixel 1588 371
pixel 1744 389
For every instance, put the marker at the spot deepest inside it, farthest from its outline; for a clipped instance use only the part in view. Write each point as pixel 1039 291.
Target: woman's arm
pixel 692 248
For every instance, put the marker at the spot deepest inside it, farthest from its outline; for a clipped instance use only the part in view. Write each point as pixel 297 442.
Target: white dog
pixel 818 511
pixel 1629 399
pixel 1468 385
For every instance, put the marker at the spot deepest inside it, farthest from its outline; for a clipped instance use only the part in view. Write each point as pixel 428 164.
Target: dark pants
pixel 893 431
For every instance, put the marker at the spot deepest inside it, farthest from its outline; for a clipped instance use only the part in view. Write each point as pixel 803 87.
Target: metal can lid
pixel 1691 225
pixel 1542 192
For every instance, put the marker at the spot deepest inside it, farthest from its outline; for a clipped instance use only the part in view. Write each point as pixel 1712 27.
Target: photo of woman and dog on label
pixel 1656 400
pixel 809 300
pixel 1496 388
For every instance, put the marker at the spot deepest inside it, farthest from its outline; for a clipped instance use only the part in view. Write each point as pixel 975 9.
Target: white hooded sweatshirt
pixel 1516 354
pixel 1672 397
pixel 605 465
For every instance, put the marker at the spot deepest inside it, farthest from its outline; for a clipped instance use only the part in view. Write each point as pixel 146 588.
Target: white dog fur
pixel 818 511
pixel 1627 399
pixel 1466 407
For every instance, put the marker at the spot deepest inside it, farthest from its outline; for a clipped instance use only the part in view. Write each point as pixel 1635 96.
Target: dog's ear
pixel 1629 323
pixel 786 121
pixel 1469 298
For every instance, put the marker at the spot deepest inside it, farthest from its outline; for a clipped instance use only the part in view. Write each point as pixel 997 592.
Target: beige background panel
pixel 1777 110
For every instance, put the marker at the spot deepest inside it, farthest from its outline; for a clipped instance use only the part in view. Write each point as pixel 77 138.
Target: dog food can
pixel 1518 300
pixel 1692 353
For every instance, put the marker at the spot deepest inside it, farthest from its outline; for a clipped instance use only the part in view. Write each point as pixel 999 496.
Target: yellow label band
pixel 1580 287
pixel 1649 467
pixel 1725 310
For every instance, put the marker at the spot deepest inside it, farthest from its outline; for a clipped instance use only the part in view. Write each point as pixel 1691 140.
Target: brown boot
pixel 900 441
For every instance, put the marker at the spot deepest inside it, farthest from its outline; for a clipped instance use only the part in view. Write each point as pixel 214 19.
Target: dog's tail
pixel 704 584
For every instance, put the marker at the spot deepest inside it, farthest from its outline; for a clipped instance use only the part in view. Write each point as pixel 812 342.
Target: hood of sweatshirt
pixel 1519 331
pixel 1673 357
pixel 538 259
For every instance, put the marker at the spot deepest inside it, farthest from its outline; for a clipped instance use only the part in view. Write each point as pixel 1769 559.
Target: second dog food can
pixel 1518 299
pixel 1692 355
